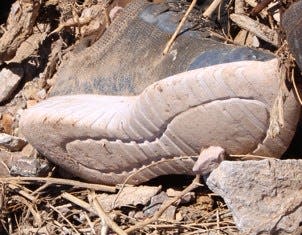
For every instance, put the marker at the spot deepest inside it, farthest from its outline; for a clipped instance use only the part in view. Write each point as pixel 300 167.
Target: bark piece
pixel 19 27
pixel 130 196
pixel 260 30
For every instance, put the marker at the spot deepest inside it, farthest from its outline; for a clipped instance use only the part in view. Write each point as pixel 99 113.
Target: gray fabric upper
pixel 128 57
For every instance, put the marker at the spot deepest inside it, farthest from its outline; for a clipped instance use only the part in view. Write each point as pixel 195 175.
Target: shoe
pixel 141 121
pixel 292 25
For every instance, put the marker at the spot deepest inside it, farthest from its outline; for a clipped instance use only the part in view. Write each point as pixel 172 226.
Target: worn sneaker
pixel 139 124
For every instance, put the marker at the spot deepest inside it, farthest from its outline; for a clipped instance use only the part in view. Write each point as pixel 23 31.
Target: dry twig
pixel 260 6
pixel 23 192
pixel 295 88
pixel 78 202
pixel 59 181
pixel 248 156
pixel 183 20
pixel 36 215
pixel 164 207
pixel 144 168
pixel 210 10
pixel 103 215
pixel 64 218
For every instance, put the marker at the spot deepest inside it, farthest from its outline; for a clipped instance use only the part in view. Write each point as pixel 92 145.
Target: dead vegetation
pixel 37 35
pixel 31 207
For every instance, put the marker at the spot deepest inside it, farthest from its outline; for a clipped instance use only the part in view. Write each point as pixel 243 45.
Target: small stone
pixel 139 215
pixel 131 214
pixel 17 164
pixel 28 150
pixel 9 80
pixel 6 123
pixel 187 198
pixel 12 143
pixel 206 202
pixel 30 91
pixel 155 205
pixel 51 81
pixel 28 166
pixel 30 103
pixel 255 42
pixel 265 197
pixel 169 214
pixel 179 217
pixel 41 94
pixel 208 160
pixel 276 17
pixel 244 38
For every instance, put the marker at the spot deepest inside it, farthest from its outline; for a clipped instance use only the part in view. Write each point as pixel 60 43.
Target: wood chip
pixel 260 30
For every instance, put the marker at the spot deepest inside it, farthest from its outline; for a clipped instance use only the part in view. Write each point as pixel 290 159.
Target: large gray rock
pixel 265 197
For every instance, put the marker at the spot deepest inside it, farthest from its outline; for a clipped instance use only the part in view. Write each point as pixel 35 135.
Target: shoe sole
pixel 106 139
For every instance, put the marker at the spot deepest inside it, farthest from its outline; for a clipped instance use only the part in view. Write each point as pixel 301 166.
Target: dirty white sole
pixel 107 138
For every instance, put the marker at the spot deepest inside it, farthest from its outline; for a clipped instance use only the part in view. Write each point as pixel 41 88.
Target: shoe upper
pixel 128 57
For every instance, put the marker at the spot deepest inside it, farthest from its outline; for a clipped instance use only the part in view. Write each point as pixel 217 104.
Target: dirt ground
pixel 35 38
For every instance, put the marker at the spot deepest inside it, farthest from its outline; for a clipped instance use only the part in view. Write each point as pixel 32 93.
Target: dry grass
pixel 54 208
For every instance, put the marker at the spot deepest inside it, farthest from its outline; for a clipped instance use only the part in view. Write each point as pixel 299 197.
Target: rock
pixel 6 123
pixel 33 90
pixel 208 160
pixel 155 205
pixel 17 164
pixel 28 166
pixel 206 202
pixel 130 196
pixel 265 197
pixel 30 91
pixel 9 80
pixel 139 215
pixel 30 103
pixel 29 150
pixel 41 94
pixel 12 143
